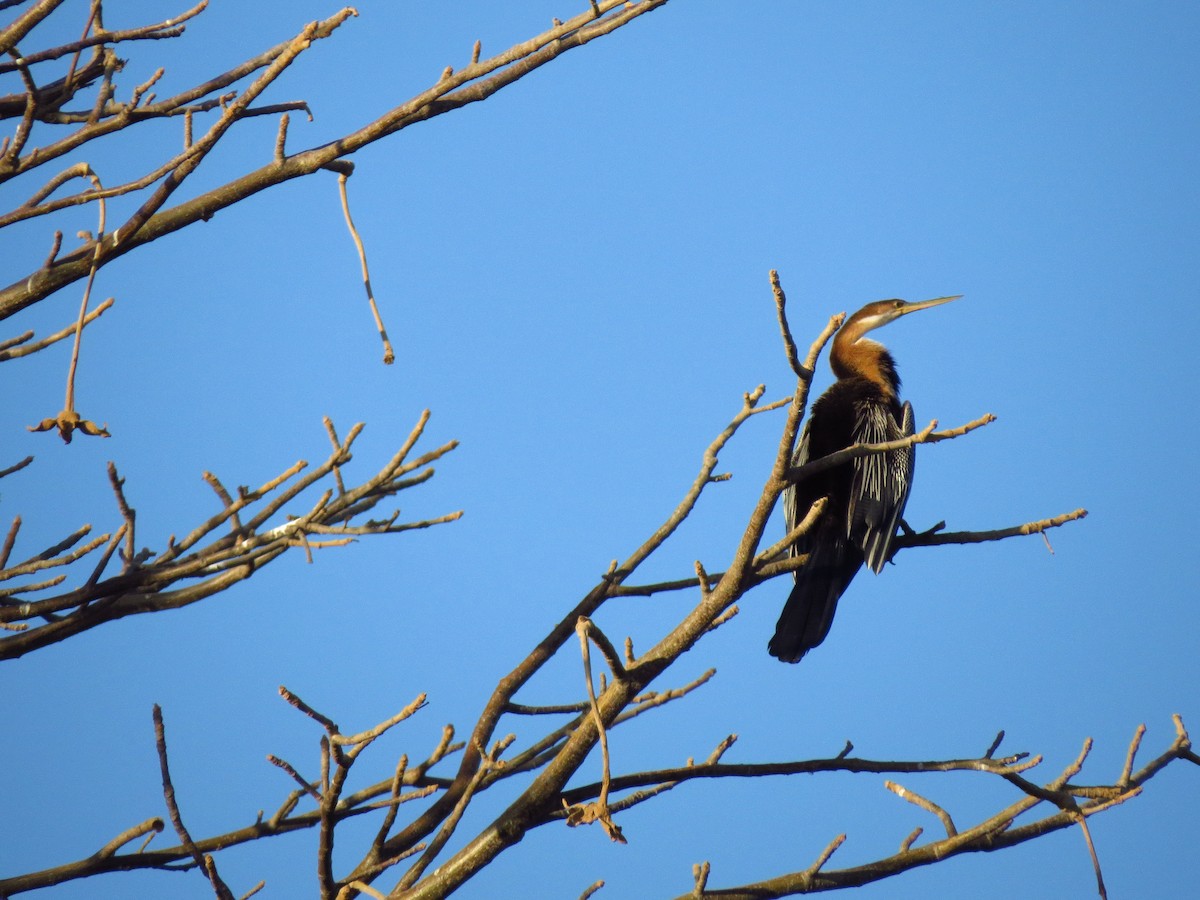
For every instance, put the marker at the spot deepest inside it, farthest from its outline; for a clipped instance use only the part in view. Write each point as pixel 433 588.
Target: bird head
pixel 881 312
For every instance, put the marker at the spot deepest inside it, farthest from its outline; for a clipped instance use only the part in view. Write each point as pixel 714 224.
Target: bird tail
pixel 809 610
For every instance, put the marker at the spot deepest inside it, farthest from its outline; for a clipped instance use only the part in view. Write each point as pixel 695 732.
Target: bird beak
pixel 926 304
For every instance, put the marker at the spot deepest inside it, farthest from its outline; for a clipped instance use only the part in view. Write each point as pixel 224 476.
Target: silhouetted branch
pixel 475 82
pixel 20 346
pixel 202 564
pixel 789 344
pixel 926 435
pixel 932 539
pixel 253 527
pixel 995 832
pixel 168 28
pixel 550 760
pixel 202 860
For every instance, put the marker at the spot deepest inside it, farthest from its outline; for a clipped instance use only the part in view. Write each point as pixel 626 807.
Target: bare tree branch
pixel 474 83
pixel 203 861
pixel 536 780
pixel 151 582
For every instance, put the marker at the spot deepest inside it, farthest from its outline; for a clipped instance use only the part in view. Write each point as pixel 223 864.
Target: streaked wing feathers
pixel 881 482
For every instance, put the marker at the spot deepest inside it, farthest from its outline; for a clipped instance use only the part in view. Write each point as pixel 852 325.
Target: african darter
pixel 866 495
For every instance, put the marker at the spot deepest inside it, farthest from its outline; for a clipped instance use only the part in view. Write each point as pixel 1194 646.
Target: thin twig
pixel 1134 744
pixel 205 862
pixel 927 805
pixel 789 344
pixel 1087 836
pixel 365 737
pixel 389 355
pixel 926 435
pixel 11 537
pixel 995 745
pixel 820 861
pixel 23 348
pixel 931 539
pixel 127 513
pixel 290 769
pixel 149 827
pixel 599 811
pixel 281 138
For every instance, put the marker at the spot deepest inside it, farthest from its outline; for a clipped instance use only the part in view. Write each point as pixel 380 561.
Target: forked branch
pixel 207 560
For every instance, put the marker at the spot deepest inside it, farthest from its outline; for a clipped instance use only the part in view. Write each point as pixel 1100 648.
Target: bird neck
pixel 854 356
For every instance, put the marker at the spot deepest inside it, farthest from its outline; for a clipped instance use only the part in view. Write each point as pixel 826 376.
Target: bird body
pixel 866 495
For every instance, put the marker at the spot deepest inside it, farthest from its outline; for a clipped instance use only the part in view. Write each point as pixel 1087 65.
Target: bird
pixel 866 496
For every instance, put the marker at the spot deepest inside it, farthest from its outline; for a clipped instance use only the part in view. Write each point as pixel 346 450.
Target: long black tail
pixel 809 610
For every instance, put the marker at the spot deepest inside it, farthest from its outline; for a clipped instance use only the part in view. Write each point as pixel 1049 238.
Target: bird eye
pixel 897 303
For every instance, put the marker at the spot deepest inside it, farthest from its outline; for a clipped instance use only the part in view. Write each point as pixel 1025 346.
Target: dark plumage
pixel 866 495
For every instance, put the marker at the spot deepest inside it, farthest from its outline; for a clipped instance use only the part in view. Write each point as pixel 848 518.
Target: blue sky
pixel 574 274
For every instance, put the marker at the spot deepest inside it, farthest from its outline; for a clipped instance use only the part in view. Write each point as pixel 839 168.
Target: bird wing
pixel 832 563
pixel 881 482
